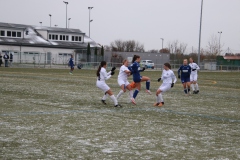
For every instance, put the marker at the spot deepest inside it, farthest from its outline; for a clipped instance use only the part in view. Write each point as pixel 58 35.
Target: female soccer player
pixel 102 76
pixel 71 64
pixel 194 76
pixel 124 72
pixel 169 79
pixel 137 78
pixel 184 73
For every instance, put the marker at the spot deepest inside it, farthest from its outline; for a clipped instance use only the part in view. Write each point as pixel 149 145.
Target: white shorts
pixel 165 87
pixel 121 82
pixel 193 77
pixel 103 86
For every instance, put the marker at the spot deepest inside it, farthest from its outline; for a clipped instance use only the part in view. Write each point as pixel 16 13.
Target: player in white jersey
pixel 124 72
pixel 194 76
pixel 169 79
pixel 102 75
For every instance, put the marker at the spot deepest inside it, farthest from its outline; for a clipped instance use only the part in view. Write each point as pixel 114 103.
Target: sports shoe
pixel 118 105
pixel 133 101
pixel 197 91
pixel 103 101
pixel 161 104
pixel 194 92
pixel 149 92
pixel 155 104
pixel 70 73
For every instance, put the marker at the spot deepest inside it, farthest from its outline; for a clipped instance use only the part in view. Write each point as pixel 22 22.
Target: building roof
pixel 231 57
pixel 34 39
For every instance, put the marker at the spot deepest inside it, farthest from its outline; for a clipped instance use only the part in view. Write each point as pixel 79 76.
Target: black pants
pixel 6 63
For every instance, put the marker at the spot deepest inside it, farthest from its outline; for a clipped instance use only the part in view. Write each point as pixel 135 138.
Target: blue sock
pixel 188 90
pixel 185 90
pixel 148 84
pixel 135 93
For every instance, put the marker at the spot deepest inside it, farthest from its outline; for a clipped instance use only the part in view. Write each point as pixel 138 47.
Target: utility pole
pixel 200 32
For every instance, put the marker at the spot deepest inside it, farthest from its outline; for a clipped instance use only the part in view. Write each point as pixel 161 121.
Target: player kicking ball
pixel 102 76
pixel 124 72
pixel 184 74
pixel 194 76
pixel 168 77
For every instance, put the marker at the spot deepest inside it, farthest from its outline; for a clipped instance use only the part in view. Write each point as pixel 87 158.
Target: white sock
pixel 120 93
pixel 158 100
pixel 160 97
pixel 114 100
pixel 105 97
pixel 131 94
pixel 192 85
pixel 196 86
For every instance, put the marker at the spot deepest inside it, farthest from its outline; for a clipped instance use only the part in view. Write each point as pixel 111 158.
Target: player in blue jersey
pixel 137 78
pixel 71 64
pixel 184 73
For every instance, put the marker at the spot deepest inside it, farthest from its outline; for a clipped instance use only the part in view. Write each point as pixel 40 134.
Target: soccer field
pixel 49 114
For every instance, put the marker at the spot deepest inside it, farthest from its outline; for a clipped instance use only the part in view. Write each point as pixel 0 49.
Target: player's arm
pixel 107 75
pixel 143 69
pixel 174 78
pixel 189 70
pixel 159 79
pixel 197 67
pixel 179 72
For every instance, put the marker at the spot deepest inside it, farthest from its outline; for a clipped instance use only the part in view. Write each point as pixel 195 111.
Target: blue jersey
pixel 71 62
pixel 185 71
pixel 135 69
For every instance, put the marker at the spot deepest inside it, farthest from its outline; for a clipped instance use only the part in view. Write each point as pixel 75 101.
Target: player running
pixel 137 78
pixel 169 79
pixel 194 76
pixel 71 65
pixel 184 73
pixel 124 72
pixel 102 76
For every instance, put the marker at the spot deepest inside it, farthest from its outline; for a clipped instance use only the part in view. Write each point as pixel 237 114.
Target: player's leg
pixel 114 99
pixel 122 85
pixel 188 87
pixel 138 87
pixel 196 84
pixel 147 79
pixel 130 93
pixel 184 87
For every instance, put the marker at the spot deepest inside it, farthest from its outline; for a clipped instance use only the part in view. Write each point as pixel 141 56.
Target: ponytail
pixel 103 63
pixel 135 57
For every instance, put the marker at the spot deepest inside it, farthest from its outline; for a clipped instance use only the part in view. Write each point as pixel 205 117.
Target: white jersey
pixel 104 75
pixel 194 66
pixel 122 74
pixel 168 76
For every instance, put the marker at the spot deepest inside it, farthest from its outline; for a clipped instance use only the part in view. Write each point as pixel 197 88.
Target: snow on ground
pixel 49 114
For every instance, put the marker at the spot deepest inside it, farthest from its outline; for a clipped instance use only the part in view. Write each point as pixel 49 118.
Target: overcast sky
pixel 143 20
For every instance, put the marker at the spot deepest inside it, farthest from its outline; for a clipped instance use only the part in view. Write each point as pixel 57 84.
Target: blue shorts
pixel 185 79
pixel 71 66
pixel 137 79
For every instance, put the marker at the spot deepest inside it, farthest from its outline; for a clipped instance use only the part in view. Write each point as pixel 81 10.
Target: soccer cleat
pixel 161 104
pixel 118 105
pixel 197 91
pixel 70 73
pixel 194 92
pixel 103 101
pixel 155 104
pixel 133 101
pixel 149 92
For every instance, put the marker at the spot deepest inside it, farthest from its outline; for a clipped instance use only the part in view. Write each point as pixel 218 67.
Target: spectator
pixel 1 60
pixel 6 57
pixel 11 59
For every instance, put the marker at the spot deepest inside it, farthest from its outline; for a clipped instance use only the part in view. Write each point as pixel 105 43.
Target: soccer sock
pixel 120 93
pixel 104 97
pixel 131 94
pixel 192 85
pixel 148 84
pixel 185 90
pixel 114 100
pixel 157 98
pixel 160 97
pixel 135 93
pixel 188 90
pixel 197 86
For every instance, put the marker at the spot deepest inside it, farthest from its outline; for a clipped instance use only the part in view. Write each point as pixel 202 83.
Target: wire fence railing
pixel 94 65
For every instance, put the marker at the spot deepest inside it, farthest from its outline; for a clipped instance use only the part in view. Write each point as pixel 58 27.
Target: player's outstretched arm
pixel 107 75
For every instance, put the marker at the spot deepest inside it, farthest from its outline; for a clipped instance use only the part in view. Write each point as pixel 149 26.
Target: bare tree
pixel 127 46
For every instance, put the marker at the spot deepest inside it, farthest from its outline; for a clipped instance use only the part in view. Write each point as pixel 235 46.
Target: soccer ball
pixel 133 85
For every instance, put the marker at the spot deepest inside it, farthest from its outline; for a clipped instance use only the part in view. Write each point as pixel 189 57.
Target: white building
pixel 43 44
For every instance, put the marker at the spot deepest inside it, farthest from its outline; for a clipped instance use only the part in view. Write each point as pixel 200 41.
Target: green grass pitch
pixel 49 114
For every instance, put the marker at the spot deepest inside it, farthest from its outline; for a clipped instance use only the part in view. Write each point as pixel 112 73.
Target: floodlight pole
pixel 219 42
pixel 50 19
pixel 162 43
pixel 69 22
pixel 89 19
pixel 66 11
pixel 200 30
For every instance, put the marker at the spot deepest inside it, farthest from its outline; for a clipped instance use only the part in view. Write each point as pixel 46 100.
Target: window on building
pixel 60 37
pixel 80 38
pixel 9 33
pixel 72 38
pixel 50 36
pixel 53 37
pixel 63 37
pixel 67 38
pixel 2 33
pixel 14 34
pixel 56 37
pixel 76 38
pixel 19 34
